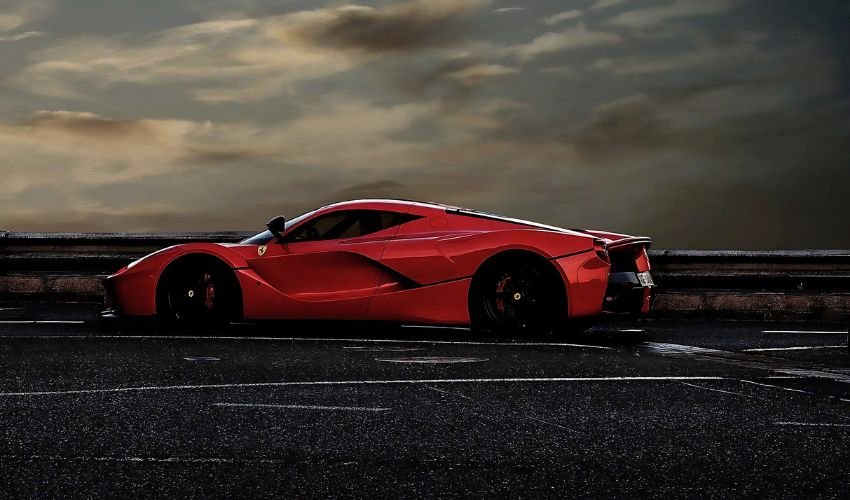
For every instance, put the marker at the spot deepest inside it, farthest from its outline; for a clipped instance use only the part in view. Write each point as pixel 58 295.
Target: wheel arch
pixel 170 269
pixel 514 255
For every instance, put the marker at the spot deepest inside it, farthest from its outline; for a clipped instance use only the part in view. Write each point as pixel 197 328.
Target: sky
pixel 721 124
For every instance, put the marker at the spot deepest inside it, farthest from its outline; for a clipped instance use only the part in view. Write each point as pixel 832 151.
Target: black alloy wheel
pixel 517 298
pixel 199 295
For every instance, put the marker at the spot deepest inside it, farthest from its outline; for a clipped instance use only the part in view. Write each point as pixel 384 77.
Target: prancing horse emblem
pixel 261 250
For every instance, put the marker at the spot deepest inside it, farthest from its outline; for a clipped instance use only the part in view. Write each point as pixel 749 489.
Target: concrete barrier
pixel 772 285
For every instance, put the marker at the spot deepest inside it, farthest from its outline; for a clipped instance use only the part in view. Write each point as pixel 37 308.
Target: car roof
pixel 383 204
pixel 423 207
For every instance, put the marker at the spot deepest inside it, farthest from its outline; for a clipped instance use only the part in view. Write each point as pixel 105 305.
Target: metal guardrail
pixel 65 266
pixel 90 253
pixel 774 270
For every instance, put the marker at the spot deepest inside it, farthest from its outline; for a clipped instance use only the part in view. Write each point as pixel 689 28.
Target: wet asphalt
pixel 629 409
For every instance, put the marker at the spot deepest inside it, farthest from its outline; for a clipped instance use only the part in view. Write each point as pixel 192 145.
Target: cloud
pixel 482 117
pixel 475 75
pixel 85 149
pixel 221 60
pixel 17 13
pixel 573 38
pixel 562 70
pixel 175 174
pixel 707 120
pixel 246 59
pixel 401 27
pixel 20 36
pixel 562 16
pixel 508 9
pixel 602 4
pixel 646 17
pixel 739 49
pixel 452 83
pixel 106 173
pixel 754 193
pixel 90 125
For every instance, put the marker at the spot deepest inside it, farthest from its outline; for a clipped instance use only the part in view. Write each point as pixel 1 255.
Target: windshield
pixel 266 236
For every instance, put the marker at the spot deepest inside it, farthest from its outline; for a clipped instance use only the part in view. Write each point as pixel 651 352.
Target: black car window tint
pixel 320 228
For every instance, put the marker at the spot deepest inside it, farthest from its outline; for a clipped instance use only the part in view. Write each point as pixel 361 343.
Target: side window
pixel 390 219
pixel 348 224
pixel 323 227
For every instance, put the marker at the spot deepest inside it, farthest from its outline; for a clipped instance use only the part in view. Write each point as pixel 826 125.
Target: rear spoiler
pixel 631 241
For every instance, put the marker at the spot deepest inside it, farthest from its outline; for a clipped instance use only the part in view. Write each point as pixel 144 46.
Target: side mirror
pixel 277 226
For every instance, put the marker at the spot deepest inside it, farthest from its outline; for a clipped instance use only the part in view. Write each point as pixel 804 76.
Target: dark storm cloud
pixel 735 176
pixel 721 118
pixel 643 124
pixel 212 155
pixel 401 27
pixel 786 187
pixel 435 82
pixel 87 124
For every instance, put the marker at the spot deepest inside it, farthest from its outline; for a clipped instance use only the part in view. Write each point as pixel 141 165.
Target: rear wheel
pixel 199 292
pixel 517 296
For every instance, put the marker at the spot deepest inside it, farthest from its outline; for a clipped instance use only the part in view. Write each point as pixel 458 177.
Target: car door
pixel 328 267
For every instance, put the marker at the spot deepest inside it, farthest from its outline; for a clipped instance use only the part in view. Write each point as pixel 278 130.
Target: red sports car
pixel 396 261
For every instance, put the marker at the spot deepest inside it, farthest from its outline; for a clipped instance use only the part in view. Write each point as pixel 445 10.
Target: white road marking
pixel 807 424
pixel 776 387
pixel 449 393
pixel 665 348
pixel 438 327
pixel 715 390
pixel 359 382
pixel 783 388
pixel 826 374
pixel 631 330
pixel 806 331
pixel 59 458
pixel 796 348
pixel 301 407
pixel 309 339
pixel 718 355
pixel 202 358
pixel 431 360
pixel 383 349
pixel 794 390
pixel 40 322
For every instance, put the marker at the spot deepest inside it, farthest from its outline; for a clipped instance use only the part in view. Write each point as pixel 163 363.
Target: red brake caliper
pixel 209 297
pixel 500 288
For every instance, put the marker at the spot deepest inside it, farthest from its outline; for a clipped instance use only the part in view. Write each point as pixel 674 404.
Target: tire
pixel 199 293
pixel 517 297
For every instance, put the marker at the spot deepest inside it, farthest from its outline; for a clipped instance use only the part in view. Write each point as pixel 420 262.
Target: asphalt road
pixel 631 409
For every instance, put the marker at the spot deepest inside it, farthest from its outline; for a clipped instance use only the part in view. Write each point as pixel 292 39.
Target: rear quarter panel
pixel 441 252
pixel 443 248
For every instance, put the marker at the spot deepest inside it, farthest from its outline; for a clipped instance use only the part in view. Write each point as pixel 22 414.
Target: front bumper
pixel 628 292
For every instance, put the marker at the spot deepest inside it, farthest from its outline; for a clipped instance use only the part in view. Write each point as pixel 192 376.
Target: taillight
pixel 601 249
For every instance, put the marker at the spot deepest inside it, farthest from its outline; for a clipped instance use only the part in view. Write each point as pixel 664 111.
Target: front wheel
pixel 517 297
pixel 198 294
